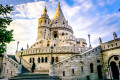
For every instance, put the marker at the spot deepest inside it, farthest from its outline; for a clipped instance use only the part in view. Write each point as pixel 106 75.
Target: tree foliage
pixel 6 36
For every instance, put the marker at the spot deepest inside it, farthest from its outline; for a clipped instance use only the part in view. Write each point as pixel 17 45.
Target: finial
pixel 27 46
pixel 114 35
pixel 89 40
pixel 100 40
pixel 45 10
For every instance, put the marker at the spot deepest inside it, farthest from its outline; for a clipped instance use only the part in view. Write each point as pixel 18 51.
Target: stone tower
pixel 43 26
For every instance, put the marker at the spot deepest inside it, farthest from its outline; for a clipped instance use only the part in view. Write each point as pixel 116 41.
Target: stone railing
pixel 111 44
pixel 67 26
pixel 13 62
pixel 63 49
pixel 24 62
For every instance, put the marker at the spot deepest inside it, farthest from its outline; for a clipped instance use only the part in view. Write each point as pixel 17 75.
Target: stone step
pixel 32 76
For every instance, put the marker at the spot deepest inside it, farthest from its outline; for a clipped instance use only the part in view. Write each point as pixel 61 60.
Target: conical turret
pixel 58 13
pixel 45 11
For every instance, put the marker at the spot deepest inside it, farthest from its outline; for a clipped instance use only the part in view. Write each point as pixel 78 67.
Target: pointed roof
pixel 58 13
pixel 45 11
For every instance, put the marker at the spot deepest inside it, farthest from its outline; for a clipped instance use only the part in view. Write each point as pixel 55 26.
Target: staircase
pixel 32 76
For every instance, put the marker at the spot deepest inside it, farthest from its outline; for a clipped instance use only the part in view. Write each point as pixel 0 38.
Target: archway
pixel 99 69
pixel 91 67
pixel 114 69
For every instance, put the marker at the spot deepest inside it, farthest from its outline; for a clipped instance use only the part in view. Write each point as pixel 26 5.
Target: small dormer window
pixel 63 22
pixel 45 21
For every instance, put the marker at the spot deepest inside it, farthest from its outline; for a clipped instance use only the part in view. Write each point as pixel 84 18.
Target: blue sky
pixel 99 18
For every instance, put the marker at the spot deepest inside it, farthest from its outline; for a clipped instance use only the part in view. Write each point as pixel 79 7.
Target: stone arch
pixel 113 65
pixel 115 70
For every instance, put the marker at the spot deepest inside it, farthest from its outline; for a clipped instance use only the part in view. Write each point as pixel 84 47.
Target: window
pixel 91 67
pixel 33 60
pixel 45 21
pixel 73 71
pixel 7 70
pixel 42 60
pixel 81 68
pixel 53 59
pixel 46 59
pixel 98 61
pixel 62 34
pixel 30 61
pixel 63 73
pixel 57 59
pixel 39 60
pixel 55 35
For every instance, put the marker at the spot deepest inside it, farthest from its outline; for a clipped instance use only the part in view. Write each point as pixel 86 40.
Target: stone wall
pixel 10 67
pixel 78 66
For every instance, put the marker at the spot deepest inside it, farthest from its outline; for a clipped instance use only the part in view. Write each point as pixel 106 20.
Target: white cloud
pixel 78 15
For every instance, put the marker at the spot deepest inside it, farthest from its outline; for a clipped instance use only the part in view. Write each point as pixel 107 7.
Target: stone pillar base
pixel 51 70
pixel 20 69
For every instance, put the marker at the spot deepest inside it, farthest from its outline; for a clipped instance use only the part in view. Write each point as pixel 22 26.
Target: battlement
pixel 111 44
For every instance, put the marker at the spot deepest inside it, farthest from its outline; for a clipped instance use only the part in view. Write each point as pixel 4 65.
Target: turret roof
pixel 58 13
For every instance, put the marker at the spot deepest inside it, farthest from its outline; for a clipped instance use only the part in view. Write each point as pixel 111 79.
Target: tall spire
pixel 58 13
pixel 45 11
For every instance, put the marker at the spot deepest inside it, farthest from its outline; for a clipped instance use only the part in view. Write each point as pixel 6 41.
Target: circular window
pixel 116 58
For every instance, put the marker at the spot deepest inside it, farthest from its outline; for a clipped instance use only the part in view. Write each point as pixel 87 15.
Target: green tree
pixel 6 36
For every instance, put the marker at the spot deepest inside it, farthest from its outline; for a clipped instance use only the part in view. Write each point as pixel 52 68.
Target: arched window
pixel 39 60
pixel 91 67
pixel 57 59
pixel 81 68
pixel 63 73
pixel 45 20
pixel 53 59
pixel 73 71
pixel 30 60
pixel 33 60
pixel 46 59
pixel 55 34
pixel 62 34
pixel 42 59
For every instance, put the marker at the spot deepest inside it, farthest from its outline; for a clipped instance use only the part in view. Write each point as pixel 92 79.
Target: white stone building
pixel 72 59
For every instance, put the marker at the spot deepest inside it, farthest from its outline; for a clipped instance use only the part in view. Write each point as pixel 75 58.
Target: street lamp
pixel 17 46
pixel 21 54
pixel 89 40
pixel 51 54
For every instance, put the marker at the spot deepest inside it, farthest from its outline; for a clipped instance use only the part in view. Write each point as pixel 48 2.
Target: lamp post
pixel 51 69
pixel 17 46
pixel 51 54
pixel 21 54
pixel 89 40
